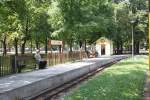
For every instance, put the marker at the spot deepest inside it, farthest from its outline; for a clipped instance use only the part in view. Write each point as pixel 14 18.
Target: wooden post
pixel 50 53
pixel 62 50
pixel 81 53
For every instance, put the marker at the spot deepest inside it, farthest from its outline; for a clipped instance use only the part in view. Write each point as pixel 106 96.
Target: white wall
pixel 108 49
pixel 98 49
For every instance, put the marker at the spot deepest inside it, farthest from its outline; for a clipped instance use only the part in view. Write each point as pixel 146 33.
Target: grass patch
pixel 122 81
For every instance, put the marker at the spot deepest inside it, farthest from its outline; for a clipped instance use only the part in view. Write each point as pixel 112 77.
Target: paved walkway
pixel 14 82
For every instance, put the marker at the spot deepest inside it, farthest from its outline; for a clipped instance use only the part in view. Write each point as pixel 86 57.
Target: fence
pixel 8 63
pixel 67 57
pixel 123 52
pixel 5 65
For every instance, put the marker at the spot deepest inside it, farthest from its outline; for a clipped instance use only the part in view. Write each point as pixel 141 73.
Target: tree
pixel 9 23
pixel 42 28
pixel 77 20
pixel 122 26
pixel 125 12
pixel 138 8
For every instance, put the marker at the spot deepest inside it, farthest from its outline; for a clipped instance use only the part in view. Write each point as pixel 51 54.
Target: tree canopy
pixel 73 21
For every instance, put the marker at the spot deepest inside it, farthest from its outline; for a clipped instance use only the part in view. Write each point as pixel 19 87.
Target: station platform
pixel 25 86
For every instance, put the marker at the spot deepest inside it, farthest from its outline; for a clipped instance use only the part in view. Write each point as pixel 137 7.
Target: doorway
pixel 103 49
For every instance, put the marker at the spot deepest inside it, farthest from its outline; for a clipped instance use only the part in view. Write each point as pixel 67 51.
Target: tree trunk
pixel 136 47
pixel 23 47
pixel 26 36
pixel 121 47
pixel 80 44
pixel 46 48
pixel 118 47
pixel 16 46
pixel 31 46
pixel 9 48
pixel 37 44
pixel 85 46
pixel 70 45
pixel 4 46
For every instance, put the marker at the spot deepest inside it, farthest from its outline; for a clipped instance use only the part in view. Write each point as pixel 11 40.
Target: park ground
pixel 122 81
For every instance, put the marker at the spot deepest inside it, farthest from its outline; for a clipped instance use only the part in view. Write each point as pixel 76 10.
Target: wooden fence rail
pixel 8 63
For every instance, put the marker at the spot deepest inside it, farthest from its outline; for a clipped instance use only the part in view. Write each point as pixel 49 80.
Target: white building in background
pixel 104 46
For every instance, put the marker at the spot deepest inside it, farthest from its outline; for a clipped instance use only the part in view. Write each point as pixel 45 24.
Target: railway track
pixel 54 93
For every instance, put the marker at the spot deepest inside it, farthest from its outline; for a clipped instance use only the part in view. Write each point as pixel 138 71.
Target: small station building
pixel 104 46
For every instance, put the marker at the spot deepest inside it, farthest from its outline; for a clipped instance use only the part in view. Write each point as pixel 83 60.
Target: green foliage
pixel 72 20
pixel 79 19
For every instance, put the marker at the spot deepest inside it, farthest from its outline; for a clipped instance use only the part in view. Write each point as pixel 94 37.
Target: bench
pixel 92 54
pixel 23 61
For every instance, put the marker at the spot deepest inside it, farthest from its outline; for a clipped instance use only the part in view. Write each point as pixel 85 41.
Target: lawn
pixel 122 81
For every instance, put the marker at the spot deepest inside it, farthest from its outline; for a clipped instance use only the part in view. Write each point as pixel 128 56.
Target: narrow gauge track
pixel 51 94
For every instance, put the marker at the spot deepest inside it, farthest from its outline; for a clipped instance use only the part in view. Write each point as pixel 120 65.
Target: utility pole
pixel 132 25
pixel 149 31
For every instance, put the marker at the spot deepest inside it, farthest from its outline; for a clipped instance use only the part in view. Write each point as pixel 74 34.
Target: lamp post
pixel 132 23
